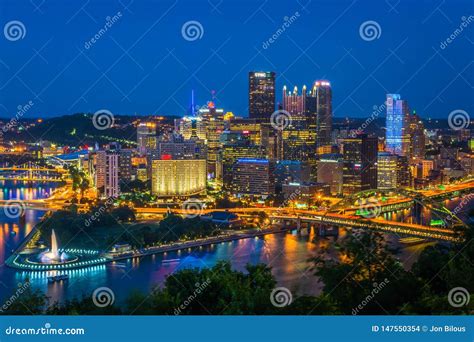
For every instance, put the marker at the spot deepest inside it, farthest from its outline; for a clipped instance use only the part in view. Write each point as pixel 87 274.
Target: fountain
pixel 54 255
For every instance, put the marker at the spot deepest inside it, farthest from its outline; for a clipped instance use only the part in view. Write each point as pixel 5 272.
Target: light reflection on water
pixel 287 254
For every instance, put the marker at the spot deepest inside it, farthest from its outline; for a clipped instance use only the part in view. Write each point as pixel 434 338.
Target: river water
pixel 287 253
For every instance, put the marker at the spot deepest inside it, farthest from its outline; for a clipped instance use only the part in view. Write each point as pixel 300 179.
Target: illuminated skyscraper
pixel 146 136
pixel 360 164
pixel 299 138
pixel 417 137
pixel 261 94
pixel 323 94
pixel 107 173
pixel 213 122
pixel 397 122
pixel 234 146
pixel 387 170
pixel 254 177
pixel 330 171
pixel 178 177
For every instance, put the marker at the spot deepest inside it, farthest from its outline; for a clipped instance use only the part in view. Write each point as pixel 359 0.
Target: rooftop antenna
pixel 193 107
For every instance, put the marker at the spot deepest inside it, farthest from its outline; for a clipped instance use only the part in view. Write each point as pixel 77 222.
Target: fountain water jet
pixel 53 256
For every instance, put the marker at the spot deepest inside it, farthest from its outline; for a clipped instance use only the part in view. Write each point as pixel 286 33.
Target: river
pixel 287 253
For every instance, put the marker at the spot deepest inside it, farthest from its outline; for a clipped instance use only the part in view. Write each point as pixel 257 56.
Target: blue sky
pixel 143 65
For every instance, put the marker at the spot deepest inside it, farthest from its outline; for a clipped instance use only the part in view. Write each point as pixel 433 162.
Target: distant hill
pixel 78 129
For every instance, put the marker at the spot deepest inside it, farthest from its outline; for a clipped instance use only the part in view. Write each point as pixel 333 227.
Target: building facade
pixel 178 178
pixel 397 125
pixel 261 94
pixel 254 177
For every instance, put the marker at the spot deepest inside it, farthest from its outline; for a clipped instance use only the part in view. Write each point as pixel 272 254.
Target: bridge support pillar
pixel 324 230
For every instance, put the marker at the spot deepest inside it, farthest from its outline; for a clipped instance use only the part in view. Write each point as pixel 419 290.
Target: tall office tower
pixel 294 104
pixel 234 146
pixel 254 177
pixel 299 138
pixel 404 174
pixel 330 169
pixel 360 164
pixel 398 125
pixel 417 135
pixel 107 173
pixel 213 122
pixel 124 162
pixel 261 95
pixel 178 177
pixel 387 171
pixel 146 136
pixel 323 94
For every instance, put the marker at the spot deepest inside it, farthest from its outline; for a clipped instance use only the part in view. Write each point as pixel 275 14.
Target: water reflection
pixel 287 254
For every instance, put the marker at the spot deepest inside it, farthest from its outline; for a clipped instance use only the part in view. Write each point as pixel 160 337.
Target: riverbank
pixel 200 242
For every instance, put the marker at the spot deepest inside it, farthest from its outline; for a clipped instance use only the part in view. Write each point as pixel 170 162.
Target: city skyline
pixel 63 71
pixel 215 157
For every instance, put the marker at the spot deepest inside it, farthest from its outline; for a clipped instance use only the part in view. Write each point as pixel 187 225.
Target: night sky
pixel 143 65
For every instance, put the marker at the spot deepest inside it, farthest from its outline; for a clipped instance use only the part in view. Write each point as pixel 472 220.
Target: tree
pixel 361 270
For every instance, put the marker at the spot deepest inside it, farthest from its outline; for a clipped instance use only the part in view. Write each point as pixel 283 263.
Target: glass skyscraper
pixel 397 122
pixel 261 94
pixel 323 93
